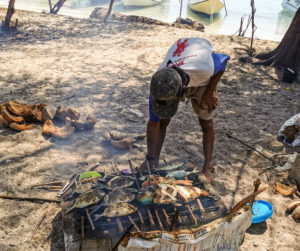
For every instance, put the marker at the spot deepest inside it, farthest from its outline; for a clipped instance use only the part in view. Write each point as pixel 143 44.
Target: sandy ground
pixel 104 69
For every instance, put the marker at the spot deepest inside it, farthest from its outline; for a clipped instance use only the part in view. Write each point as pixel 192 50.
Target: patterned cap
pixel 165 89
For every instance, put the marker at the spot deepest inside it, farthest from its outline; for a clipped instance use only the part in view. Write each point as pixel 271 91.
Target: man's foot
pixel 207 174
pixel 144 167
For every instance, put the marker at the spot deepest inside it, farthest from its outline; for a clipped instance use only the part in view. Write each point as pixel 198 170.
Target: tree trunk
pixel 9 13
pixel 287 53
pixel 109 10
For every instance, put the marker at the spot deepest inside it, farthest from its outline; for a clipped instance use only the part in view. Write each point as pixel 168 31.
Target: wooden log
pixel 246 200
pixel 90 219
pixel 167 217
pixel 200 206
pixel 150 218
pixel 192 214
pixel 141 217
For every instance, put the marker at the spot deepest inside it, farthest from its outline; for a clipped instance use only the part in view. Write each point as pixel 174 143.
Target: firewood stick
pixel 166 215
pixel 246 200
pixel 200 206
pixel 132 222
pixel 48 187
pixel 150 218
pixel 120 226
pixel 141 217
pixel 159 221
pixel 192 214
pixel 34 199
pixel 39 223
pixel 50 183
pixel 256 186
pixel 82 228
pixel 90 219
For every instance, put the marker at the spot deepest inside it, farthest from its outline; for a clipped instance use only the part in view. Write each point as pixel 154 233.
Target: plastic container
pixel 261 211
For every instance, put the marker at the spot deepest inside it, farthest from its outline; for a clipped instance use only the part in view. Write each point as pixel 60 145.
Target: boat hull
pixel 208 7
pixel 290 5
pixel 140 2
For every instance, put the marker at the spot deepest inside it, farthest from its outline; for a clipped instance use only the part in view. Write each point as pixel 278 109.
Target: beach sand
pixel 104 70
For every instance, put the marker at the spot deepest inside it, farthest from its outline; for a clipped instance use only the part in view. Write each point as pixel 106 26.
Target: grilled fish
pixel 120 195
pixel 120 181
pixel 180 174
pixel 86 199
pixel 146 195
pixel 115 210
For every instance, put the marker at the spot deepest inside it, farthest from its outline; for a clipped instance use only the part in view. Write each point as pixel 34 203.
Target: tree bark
pixel 287 53
pixel 9 13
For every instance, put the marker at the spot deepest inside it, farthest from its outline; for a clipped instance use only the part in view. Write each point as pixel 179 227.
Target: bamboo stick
pixel 200 206
pixel 141 217
pixel 166 215
pixel 150 218
pixel 120 226
pixel 192 214
pixel 158 219
pixel 28 198
pixel 132 222
pixel 90 219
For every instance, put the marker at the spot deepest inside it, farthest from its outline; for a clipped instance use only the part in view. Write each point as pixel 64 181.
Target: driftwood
pixel 246 200
pixel 34 199
pixel 253 10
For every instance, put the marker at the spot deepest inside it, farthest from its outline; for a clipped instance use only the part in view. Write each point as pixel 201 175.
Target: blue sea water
pixel 271 19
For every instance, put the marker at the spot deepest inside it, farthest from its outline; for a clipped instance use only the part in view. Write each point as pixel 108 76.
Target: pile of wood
pixel 21 117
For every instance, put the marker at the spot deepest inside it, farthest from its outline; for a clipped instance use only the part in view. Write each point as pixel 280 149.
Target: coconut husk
pixel 296 213
pixel 122 144
pixel 19 127
pixel 73 114
pixel 82 126
pixel 61 114
pixel 62 132
pixel 48 113
pixel 16 108
pixel 3 121
pixel 283 189
pixel 38 113
pixel 292 206
pixel 114 135
pixel 10 118
pixel 48 127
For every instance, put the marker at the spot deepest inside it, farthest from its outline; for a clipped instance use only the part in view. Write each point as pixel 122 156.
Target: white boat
pixel 208 7
pixel 141 2
pixel 291 5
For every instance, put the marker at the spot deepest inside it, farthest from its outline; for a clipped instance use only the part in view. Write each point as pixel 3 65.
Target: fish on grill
pixel 180 174
pixel 174 194
pixel 115 210
pixel 120 195
pixel 87 199
pixel 155 180
pixel 120 181
pixel 146 195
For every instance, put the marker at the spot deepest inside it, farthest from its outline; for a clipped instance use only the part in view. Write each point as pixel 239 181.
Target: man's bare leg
pixel 156 132
pixel 208 144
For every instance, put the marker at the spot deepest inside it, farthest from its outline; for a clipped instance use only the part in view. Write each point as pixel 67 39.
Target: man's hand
pixel 209 101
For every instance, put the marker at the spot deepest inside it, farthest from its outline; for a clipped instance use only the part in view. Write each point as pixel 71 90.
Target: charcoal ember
pixel 290 133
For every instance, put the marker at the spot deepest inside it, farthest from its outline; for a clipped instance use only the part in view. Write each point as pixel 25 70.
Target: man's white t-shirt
pixel 194 56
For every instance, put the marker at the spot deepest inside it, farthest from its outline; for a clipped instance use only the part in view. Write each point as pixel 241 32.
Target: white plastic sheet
pixel 290 122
